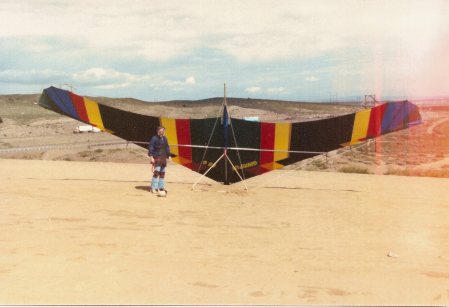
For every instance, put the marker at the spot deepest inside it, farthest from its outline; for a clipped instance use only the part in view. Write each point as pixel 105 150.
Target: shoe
pixel 155 191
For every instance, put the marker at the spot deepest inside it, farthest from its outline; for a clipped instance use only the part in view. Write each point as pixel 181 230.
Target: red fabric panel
pixel 267 134
pixel 183 133
pixel 80 108
pixel 375 121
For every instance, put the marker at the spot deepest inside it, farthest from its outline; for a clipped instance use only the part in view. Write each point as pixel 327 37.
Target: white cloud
pixel 32 76
pixel 163 83
pixel 96 77
pixel 275 89
pixel 93 77
pixel 106 78
pixel 190 80
pixel 312 78
pixel 269 90
pixel 252 89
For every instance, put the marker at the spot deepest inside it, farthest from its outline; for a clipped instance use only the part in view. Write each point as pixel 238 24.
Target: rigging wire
pixel 120 142
pixel 238 153
pixel 210 138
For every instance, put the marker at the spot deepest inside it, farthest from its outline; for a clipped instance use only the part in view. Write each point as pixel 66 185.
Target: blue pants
pixel 158 180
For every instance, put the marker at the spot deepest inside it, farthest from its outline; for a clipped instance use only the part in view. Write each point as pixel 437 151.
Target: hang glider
pixel 229 150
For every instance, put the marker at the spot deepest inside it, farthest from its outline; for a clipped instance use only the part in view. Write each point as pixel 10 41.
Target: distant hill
pixel 22 108
pixel 238 108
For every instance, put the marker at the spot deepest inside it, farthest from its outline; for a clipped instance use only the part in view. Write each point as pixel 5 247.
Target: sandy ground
pixel 91 233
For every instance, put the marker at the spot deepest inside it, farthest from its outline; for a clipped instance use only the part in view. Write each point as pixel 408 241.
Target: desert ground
pixel 91 233
pixel 79 225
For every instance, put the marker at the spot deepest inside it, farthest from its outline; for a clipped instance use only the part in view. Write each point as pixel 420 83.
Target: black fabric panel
pixel 247 135
pixel 201 130
pixel 129 126
pixel 321 136
pixel 202 158
pixel 295 145
pixel 326 134
pixel 201 134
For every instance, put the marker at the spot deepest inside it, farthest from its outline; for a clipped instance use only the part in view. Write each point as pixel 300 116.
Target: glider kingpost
pixel 229 150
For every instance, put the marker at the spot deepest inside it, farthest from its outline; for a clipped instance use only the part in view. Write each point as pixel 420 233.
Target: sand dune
pixel 91 233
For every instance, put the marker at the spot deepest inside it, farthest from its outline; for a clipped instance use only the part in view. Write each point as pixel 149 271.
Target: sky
pixel 165 50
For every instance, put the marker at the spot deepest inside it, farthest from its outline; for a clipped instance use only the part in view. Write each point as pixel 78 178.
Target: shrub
pixel 440 173
pixel 354 169
pixel 84 154
pixel 318 165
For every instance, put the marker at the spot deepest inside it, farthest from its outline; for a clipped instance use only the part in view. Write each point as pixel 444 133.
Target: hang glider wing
pixel 281 144
pixel 250 148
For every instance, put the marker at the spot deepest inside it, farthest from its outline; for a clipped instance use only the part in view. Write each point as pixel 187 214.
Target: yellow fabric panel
pixel 93 113
pixel 271 166
pixel 360 128
pixel 171 134
pixel 282 140
pixel 181 160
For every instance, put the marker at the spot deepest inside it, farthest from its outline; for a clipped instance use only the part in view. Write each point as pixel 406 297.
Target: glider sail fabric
pixel 249 148
pixel 126 125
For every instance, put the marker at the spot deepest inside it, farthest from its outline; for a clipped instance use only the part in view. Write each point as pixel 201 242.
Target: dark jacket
pixel 159 147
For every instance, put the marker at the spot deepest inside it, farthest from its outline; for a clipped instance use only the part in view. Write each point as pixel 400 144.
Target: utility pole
pixel 371 99
pixel 68 85
pixel 368 99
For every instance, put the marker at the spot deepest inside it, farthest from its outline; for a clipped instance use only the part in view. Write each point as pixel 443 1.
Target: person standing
pixel 159 153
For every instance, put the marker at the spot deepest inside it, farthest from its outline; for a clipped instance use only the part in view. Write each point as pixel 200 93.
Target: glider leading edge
pixel 229 150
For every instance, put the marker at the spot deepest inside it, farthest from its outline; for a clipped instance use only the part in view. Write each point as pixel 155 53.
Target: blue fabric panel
pixel 395 117
pixel 62 100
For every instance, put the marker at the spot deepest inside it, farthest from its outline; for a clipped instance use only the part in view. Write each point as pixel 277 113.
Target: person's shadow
pixel 143 187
